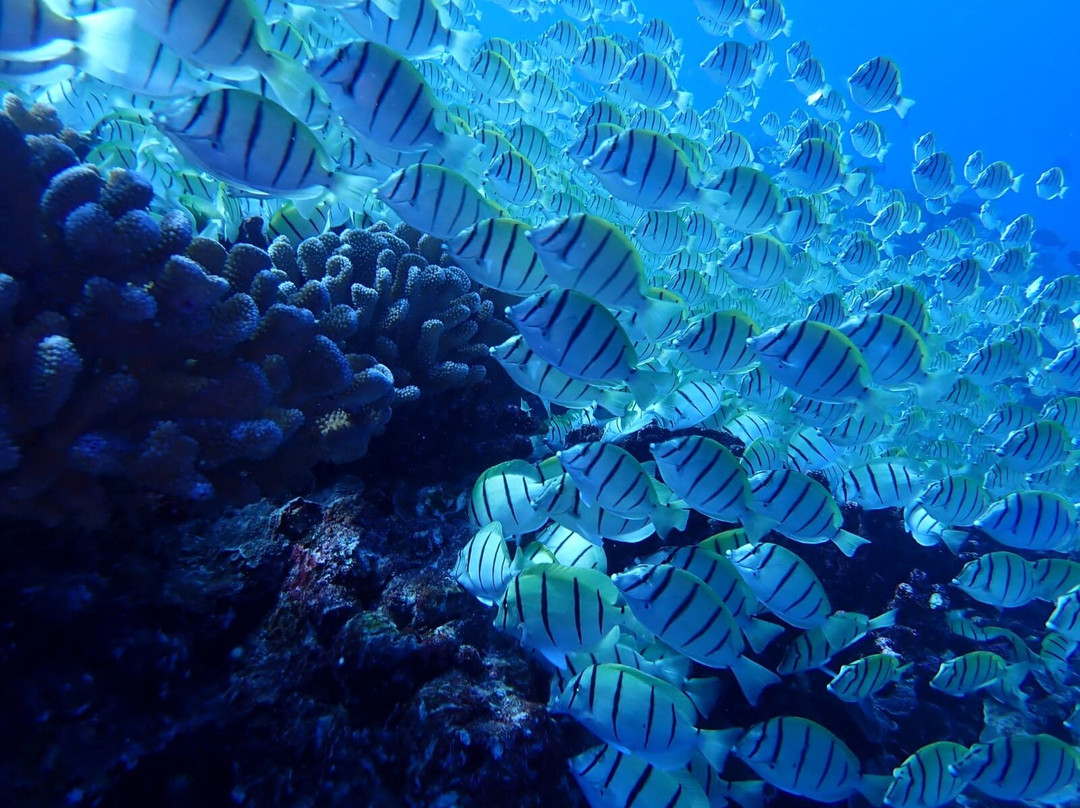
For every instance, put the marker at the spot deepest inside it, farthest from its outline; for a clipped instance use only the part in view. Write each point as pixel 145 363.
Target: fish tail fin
pixel 459 151
pixel 874 786
pixel 880 156
pixel 886 620
pixel 667 518
pixel 716 745
pixel 852 183
pixel 759 633
pixel 391 8
pixel 903 106
pixel 848 542
pixel 104 42
pixel 353 191
pixel 462 46
pixel 1061 193
pixel 1015 184
pixel 953 540
pixel 704 692
pixel 646 385
pixel 756 14
pixel 683 100
pixel 757 526
pixel 294 87
pixel 713 200
pixel 786 30
pixel 752 678
pixel 747 793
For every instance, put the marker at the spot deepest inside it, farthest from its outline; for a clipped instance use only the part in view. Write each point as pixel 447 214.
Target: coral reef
pixel 145 366
pixel 316 653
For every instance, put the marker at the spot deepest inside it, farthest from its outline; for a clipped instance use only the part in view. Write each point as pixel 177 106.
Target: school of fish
pixel 666 273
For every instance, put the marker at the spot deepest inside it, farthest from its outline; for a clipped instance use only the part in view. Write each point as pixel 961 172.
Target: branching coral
pixel 139 358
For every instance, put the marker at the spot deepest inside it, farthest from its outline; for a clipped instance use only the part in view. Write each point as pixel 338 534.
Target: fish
pixel 996 180
pixel 647 169
pixel 1036 768
pixel 924 779
pixel 800 508
pixel 816 646
pixel 705 475
pixel 436 200
pixel 257 145
pixel 557 611
pixel 609 777
pixel 875 86
pixel 686 614
pixel 642 715
pixel 582 339
pixel 1031 520
pixel 611 478
pixel 1051 184
pixel 977 670
pixel 803 758
pixel 863 678
pixel 497 253
pixel 784 583
pixel 1000 579
pixel 483 565
pixel 386 101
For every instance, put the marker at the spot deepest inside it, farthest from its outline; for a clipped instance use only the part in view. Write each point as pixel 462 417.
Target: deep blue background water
pixel 998 75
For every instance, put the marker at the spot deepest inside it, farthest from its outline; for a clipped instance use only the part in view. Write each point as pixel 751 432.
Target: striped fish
pixel 562 498
pixel 1055 577
pixel 661 231
pixel 956 500
pixel 875 86
pixel 496 253
pixel 1055 651
pixel 996 180
pixel 731 150
pixel 729 64
pixel 1051 184
pixel 514 179
pixel 539 377
pixel 814 166
pixel 416 28
pixel 757 261
pixel 887 482
pixel 705 474
pixel 815 360
pixel 977 670
pixel 685 613
pixel 1065 619
pixel 924 779
pixel 435 200
pixel 893 350
pixel 902 301
pixel 815 647
pixel 1014 767
pixel 934 176
pixel 504 494
pixel 647 79
pixel 803 758
pixel 255 144
pixel 863 678
pixel 557 610
pixel 641 715
pixel 1031 520
pixel 647 169
pixel 869 140
pixel 571 549
pixel 1036 446
pixel 752 200
pixel 483 564
pixel 599 60
pixel 385 100
pixel 612 778
pixel 610 477
pixel 717 342
pixel 719 574
pixel 784 583
pixel 1000 579
pixel 800 508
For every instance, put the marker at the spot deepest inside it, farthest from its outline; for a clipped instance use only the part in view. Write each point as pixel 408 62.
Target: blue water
pixel 992 75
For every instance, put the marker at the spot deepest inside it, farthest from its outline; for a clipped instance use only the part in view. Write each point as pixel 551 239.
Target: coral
pixel 149 365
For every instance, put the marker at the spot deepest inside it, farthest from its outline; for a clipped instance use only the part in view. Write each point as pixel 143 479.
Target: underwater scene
pixel 539 403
